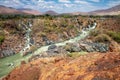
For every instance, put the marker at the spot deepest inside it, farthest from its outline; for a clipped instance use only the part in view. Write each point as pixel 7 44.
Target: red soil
pixel 93 66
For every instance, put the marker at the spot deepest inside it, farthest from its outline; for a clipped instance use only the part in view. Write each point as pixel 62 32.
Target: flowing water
pixel 17 58
pixel 84 33
pixel 27 28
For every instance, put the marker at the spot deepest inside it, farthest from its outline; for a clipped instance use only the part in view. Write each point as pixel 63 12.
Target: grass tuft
pixel 76 54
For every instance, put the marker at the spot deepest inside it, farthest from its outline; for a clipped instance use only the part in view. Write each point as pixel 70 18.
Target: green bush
pixel 102 38
pixel 114 35
pixel 1 39
pixel 2 36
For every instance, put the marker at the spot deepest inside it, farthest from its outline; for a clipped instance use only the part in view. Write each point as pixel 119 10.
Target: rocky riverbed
pixel 22 33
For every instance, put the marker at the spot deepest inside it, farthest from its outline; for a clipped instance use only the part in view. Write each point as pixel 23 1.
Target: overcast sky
pixel 61 6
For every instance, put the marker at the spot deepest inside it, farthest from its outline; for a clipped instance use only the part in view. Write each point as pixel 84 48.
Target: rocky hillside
pixel 92 66
pixel 111 11
pixel 54 30
pixel 12 37
pixel 10 10
pixel 30 11
pixel 74 47
pixel 45 31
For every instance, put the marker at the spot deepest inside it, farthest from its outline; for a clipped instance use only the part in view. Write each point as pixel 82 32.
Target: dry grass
pixel 102 38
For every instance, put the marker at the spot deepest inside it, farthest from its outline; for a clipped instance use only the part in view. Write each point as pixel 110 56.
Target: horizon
pixel 61 6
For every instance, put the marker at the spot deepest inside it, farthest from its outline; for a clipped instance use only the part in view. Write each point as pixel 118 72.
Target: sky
pixel 61 6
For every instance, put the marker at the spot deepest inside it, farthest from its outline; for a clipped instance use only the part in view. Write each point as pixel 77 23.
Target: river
pixel 82 35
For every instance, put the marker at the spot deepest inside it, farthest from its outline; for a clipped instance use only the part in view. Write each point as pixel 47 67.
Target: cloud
pixel 64 1
pixel 11 3
pixel 95 0
pixel 81 2
pixel 113 3
pixel 61 5
pixel 41 1
pixel 69 5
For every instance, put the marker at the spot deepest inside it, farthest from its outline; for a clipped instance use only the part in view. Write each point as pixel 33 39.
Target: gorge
pixel 34 42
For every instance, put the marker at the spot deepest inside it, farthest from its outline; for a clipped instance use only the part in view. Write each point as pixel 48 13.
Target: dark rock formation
pixel 72 47
pixel 54 50
pixel 8 52
pixel 47 41
pixel 86 46
pixel 52 47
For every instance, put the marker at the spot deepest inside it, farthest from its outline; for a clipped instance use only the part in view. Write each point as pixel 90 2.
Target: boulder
pixel 52 47
pixel 53 51
pixel 86 47
pixel 47 41
pixel 72 47
pixel 102 47
pixel 56 51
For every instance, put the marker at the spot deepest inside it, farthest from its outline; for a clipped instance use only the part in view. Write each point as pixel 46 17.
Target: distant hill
pixel 10 10
pixel 78 13
pixel 50 12
pixel 111 11
pixel 30 11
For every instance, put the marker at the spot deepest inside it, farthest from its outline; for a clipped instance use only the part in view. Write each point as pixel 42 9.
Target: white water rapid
pixel 84 33
pixel 27 28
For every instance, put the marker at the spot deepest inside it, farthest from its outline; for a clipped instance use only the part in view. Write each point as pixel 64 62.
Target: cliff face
pixel 88 67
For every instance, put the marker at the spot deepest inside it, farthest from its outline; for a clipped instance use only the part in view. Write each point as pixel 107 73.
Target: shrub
pixel 95 32
pixel 32 48
pixel 76 54
pixel 1 39
pixel 114 35
pixel 102 38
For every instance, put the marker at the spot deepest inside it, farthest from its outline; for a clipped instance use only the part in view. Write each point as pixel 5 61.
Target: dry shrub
pixel 102 38
pixel 114 35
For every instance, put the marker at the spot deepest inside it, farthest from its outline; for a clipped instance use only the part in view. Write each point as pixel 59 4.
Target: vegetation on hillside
pixel 22 16
pixel 2 36
pixel 54 28
pixel 114 35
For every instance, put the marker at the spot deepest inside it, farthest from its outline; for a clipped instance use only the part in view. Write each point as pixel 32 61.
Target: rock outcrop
pixel 81 46
pixel 95 66
pixel 5 53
